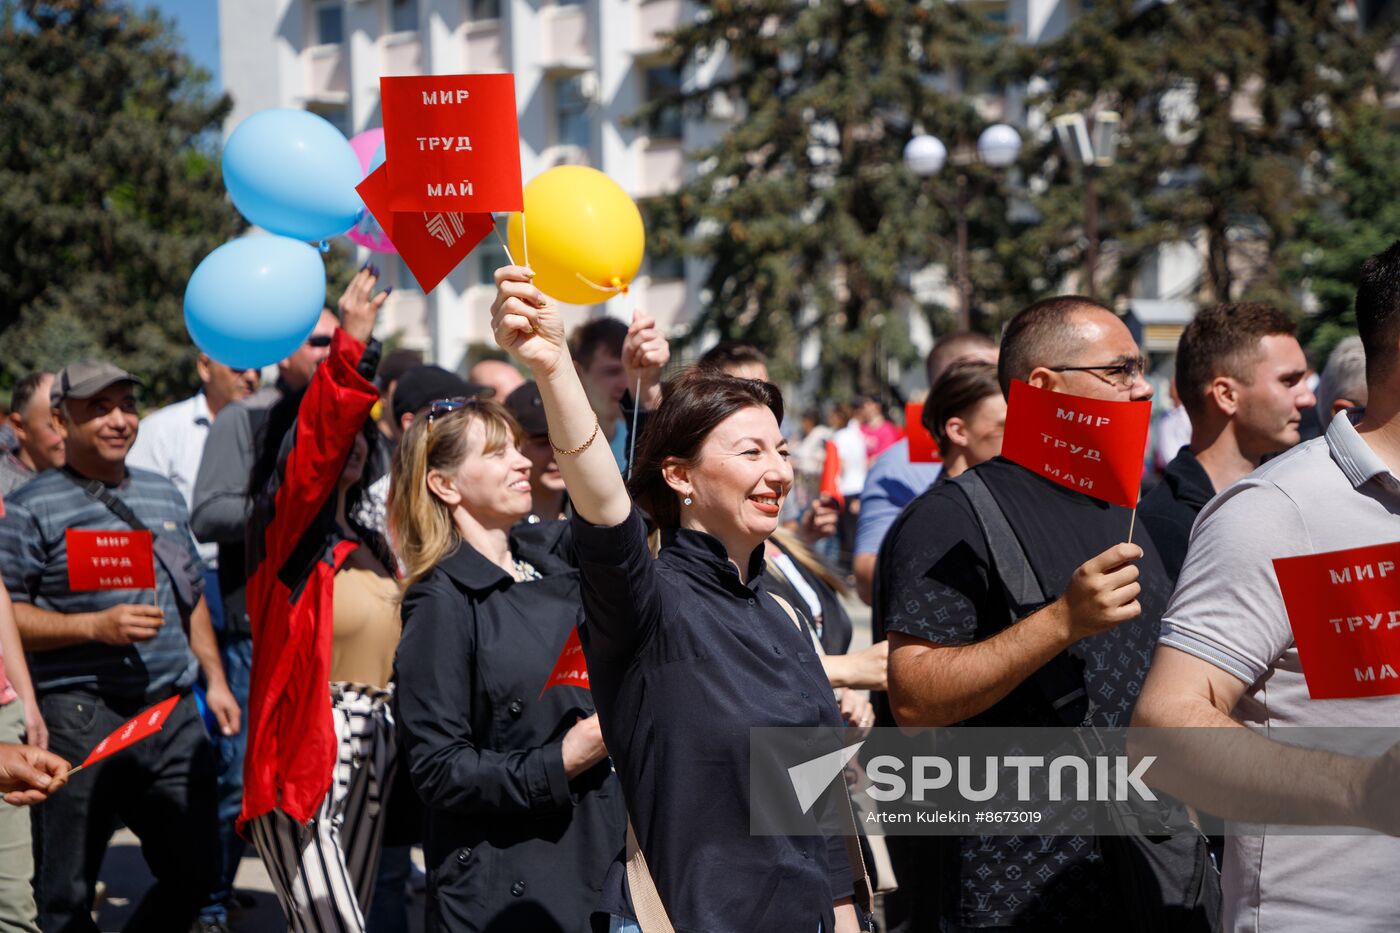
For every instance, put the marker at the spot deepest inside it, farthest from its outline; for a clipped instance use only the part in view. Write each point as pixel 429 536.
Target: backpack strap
pixel 1058 680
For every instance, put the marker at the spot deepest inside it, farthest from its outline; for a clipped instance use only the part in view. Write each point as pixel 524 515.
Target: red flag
pixel 432 243
pixel 831 469
pixel 141 726
pixel 110 560
pixel 571 670
pixel 452 142
pixel 1089 445
pixel 1344 608
pixel 922 447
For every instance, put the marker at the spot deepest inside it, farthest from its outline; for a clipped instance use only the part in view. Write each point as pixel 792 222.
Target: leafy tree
pixel 1230 117
pixel 112 190
pixel 804 216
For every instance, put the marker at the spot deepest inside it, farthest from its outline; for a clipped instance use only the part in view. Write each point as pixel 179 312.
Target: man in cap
pixel 99 657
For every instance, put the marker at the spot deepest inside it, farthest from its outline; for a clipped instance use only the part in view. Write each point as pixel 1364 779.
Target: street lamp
pixel 1092 147
pixel 925 155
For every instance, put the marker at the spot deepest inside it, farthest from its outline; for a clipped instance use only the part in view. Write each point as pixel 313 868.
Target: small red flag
pixel 432 243
pixel 139 727
pixel 452 142
pixel 571 670
pixel 1086 444
pixel 831 469
pixel 922 447
pixel 1344 608
pixel 110 560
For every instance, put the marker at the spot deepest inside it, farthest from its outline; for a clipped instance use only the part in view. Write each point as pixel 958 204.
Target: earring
pixel 686 500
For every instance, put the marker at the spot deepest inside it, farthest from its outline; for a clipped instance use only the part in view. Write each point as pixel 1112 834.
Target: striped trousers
pixel 324 871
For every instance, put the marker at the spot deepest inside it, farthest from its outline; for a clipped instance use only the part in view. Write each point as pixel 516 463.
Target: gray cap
pixel 86 378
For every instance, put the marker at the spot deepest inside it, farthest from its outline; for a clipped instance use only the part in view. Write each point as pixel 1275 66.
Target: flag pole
pixel 1132 522
pixel 73 771
pixel 524 237
pixel 504 245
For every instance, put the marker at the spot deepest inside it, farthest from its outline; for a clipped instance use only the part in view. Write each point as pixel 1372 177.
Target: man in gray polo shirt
pixel 1227 657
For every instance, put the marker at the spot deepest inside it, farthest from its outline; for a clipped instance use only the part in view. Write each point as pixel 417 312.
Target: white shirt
pixel 850 444
pixel 170 441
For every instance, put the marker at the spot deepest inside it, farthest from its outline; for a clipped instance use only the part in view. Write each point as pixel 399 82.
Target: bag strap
pixel 97 490
pixel 864 891
pixel 646 900
pixel 1062 686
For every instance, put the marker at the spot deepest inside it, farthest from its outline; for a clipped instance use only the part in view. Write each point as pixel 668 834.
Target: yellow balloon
pixel 585 235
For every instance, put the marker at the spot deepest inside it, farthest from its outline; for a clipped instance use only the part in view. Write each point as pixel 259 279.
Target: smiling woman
pixel 687 652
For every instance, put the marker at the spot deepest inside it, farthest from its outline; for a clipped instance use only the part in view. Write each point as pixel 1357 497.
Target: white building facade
pixel 582 67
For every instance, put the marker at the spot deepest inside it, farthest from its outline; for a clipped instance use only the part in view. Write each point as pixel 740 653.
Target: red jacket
pixel 291 735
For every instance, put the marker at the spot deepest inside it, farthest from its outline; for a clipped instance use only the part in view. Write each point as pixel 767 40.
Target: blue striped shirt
pixel 34 564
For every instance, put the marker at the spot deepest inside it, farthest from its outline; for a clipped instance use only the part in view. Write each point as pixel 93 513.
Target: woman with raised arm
pixel 687 652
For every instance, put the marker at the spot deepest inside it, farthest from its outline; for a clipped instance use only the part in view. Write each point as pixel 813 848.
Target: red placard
pixel 1086 444
pixel 432 243
pixel 452 142
pixel 110 560
pixel 571 670
pixel 1344 608
pixel 922 447
pixel 141 726
pixel 831 470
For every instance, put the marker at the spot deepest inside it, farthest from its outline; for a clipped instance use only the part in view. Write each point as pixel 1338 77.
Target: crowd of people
pixel 368 573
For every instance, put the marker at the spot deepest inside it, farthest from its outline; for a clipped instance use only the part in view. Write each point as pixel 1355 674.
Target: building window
pixel 571 123
pixel 483 10
pixel 663 83
pixel 330 27
pixel 568 2
pixel 403 16
pixel 667 266
pixel 337 114
pixel 491 255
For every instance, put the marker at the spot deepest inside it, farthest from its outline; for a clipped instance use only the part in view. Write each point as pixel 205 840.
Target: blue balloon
pixel 294 174
pixel 377 160
pixel 252 301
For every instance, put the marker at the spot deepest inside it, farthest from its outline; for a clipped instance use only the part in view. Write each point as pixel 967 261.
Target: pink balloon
pixel 367 232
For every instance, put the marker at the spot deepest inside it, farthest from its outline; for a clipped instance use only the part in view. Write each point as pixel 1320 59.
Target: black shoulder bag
pixel 1161 862
pixel 173 556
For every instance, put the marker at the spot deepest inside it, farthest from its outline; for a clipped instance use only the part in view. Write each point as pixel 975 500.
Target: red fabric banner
pixel 1344 608
pixel 922 446
pixel 431 243
pixel 831 469
pixel 452 142
pixel 110 560
pixel 571 670
pixel 1086 444
pixel 141 726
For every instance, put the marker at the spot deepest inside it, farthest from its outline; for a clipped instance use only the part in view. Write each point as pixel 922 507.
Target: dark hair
pixel 728 353
pixel 948 350
pixel 1041 335
pixel 960 389
pixel 1378 310
pixel 1223 341
pixel 604 333
pixel 695 401
pixel 25 389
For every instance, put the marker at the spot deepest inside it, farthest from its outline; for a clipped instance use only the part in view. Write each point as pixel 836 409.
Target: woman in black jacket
pixel 689 651
pixel 524 813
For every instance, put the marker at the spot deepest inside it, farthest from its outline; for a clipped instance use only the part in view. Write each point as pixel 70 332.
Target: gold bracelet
pixel 581 447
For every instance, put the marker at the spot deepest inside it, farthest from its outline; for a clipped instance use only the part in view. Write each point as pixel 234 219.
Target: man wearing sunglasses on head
pixel 220 513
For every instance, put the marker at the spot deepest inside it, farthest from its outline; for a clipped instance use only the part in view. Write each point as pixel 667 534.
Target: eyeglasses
pixel 318 340
pixel 1120 375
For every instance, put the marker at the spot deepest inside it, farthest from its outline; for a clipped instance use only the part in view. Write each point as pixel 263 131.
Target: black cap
pixel 528 408
pixel 395 363
pixel 86 378
pixel 420 386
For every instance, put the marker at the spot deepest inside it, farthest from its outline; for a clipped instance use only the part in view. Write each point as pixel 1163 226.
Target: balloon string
pixel 609 289
pixel 636 404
